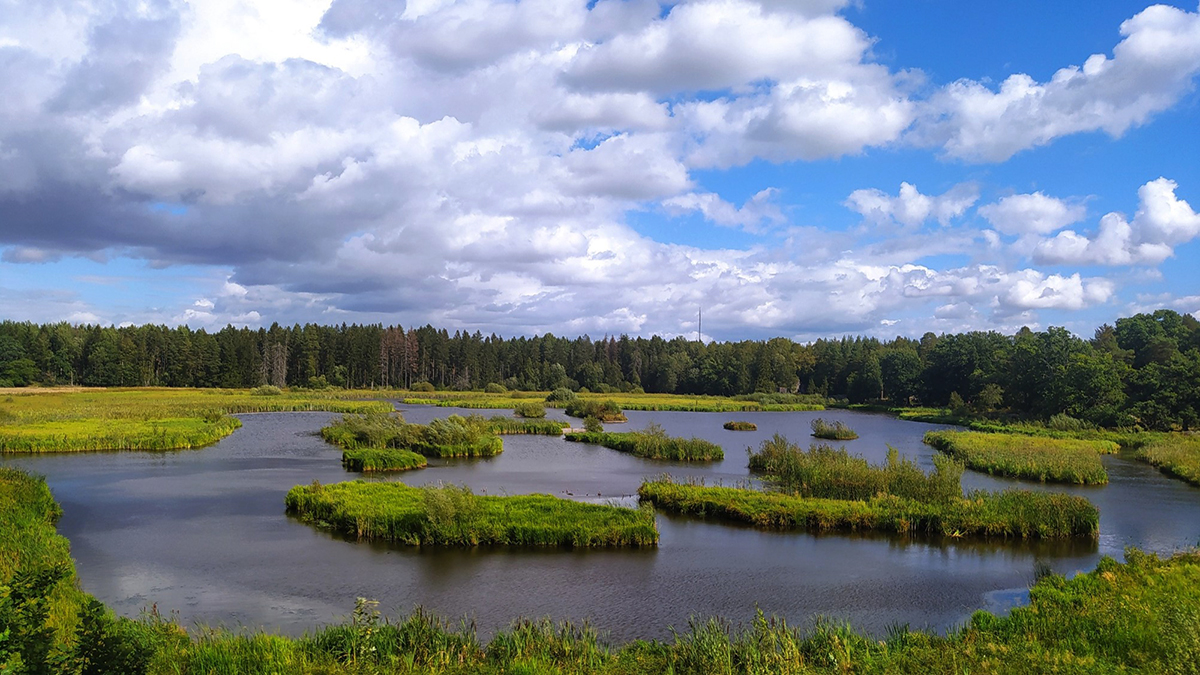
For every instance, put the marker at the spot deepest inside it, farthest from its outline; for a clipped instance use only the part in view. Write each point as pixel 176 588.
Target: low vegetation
pixel 741 426
pixel 1011 513
pixel 832 431
pixel 449 515
pixel 822 471
pixel 530 409
pixel 652 443
pixel 1139 616
pixel 73 420
pixel 507 426
pixel 1052 460
pixel 605 411
pixel 382 459
pixel 455 436
pixel 1176 454
pixel 623 400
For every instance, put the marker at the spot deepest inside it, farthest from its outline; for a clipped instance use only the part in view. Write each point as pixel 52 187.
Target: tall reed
pixel 832 431
pixel 382 459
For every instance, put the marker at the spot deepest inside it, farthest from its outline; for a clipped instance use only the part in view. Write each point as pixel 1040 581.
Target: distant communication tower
pixel 700 325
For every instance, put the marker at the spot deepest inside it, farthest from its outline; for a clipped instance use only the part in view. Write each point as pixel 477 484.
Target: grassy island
pixel 382 459
pixel 832 431
pixel 652 443
pixel 1012 513
pixel 605 411
pixel 741 426
pixel 1176 454
pixel 454 516
pixel 1052 460
pixel 454 436
pixel 508 426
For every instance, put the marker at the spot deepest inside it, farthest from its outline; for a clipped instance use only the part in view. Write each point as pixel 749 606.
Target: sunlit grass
pixel 1052 460
pixel 1176 454
pixel 382 459
pixel 653 443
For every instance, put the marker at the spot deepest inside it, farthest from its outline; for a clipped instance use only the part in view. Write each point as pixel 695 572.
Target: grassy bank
pixel 624 401
pixel 1012 513
pixel 653 443
pixel 832 431
pixel 1051 460
pixel 382 459
pixel 1176 454
pixel 455 436
pixel 143 419
pixel 736 425
pixel 825 472
pixel 454 516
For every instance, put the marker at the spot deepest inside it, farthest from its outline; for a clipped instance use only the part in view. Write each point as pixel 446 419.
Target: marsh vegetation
pixel 735 425
pixel 653 443
pixel 1052 460
pixel 832 431
pixel 455 436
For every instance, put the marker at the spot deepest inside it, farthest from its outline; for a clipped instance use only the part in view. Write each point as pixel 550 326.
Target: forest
pixel 1142 371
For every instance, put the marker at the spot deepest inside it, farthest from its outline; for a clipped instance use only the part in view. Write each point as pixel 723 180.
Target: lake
pixel 203 533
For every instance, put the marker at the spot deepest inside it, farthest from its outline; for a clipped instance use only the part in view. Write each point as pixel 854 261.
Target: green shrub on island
pixel 605 411
pixel 455 436
pixel 1051 460
pixel 450 515
pixel 382 459
pixel 266 390
pixel 561 395
pixel 1175 454
pixel 593 425
pixel 653 443
pixel 530 409
pixel 825 472
pixel 1010 514
pixel 832 431
pixel 495 388
pixel 741 426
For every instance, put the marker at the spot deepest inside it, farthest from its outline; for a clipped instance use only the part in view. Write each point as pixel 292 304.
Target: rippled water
pixel 203 533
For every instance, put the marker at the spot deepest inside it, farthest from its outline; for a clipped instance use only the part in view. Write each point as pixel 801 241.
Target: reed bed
pixel 1008 514
pixel 652 443
pixel 736 425
pixel 455 436
pixel 822 471
pixel 453 516
pixel 1175 454
pixel 832 431
pixel 1050 460
pixel 382 459
pixel 507 426
pixel 605 411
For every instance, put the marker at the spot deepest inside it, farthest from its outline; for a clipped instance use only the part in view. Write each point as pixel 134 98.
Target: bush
pixel 741 426
pixel 266 390
pixel 530 409
pixel 495 388
pixel 833 431
pixel 1064 422
pixel 423 386
pixel 592 425
pixel 562 394
pixel 605 411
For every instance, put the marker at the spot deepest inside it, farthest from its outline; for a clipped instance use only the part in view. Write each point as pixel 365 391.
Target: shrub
pixel 741 426
pixel 833 431
pixel 593 425
pixel 530 409
pixel 495 388
pixel 561 395
pixel 605 411
pixel 266 390
pixel 423 387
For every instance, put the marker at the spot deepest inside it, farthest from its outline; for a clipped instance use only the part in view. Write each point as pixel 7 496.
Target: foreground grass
pixel 1011 513
pixel 455 436
pixel 1137 617
pixel 1176 454
pixel 1051 460
pixel 822 471
pixel 652 443
pixel 454 516
pixel 143 419
pixel 382 459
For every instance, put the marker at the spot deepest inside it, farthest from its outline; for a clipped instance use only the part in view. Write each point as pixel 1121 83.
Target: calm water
pixel 203 533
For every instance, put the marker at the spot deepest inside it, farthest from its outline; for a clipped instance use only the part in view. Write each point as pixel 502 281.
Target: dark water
pixel 203 532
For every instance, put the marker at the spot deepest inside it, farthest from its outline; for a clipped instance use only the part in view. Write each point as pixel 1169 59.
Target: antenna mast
pixel 700 325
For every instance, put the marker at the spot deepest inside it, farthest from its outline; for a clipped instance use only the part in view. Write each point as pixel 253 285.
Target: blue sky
pixel 805 169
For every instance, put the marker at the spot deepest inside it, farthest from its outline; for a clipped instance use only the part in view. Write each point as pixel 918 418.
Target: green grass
pixel 382 459
pixel 735 425
pixel 455 436
pixel 652 443
pixel 832 431
pixel 1176 454
pixel 506 426
pixel 454 516
pixel 1050 460
pixel 624 401
pixel 824 472
pixel 1011 513
pixel 75 420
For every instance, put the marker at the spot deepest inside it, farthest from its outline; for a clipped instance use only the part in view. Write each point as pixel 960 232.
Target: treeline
pixel 1143 370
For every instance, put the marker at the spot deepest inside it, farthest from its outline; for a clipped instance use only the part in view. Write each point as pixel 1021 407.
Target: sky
pixel 796 168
